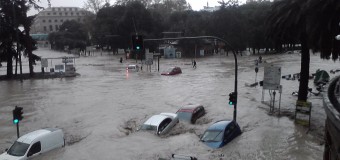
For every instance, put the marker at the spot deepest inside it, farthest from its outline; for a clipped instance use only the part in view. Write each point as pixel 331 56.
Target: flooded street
pixel 100 110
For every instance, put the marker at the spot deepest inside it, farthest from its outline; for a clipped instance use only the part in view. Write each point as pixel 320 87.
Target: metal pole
pixel 280 104
pixel 18 130
pixel 158 63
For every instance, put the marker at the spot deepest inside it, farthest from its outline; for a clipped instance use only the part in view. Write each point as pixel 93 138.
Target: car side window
pixel 163 125
pixel 36 148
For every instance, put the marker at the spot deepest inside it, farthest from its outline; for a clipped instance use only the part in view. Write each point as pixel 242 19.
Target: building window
pixel 66 13
pixel 60 14
pixel 52 9
pixel 54 13
pixel 48 13
pixel 43 21
pixel 51 28
pixel 55 20
pixel 78 19
pixel 45 29
pixel 77 14
pixel 71 13
pixel 64 9
pixel 58 9
pixel 49 20
pixel 61 20
pixel 70 9
pixel 56 27
pixel 76 9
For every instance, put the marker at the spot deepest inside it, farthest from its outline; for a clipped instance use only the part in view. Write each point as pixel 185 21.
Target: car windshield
pixel 212 136
pixel 184 115
pixel 169 70
pixel 18 149
pixel 148 127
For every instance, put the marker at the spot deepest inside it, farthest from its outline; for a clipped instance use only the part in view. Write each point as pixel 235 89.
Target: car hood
pixel 6 156
pixel 213 144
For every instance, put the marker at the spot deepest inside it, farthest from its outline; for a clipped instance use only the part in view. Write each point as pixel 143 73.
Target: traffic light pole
pixel 18 135
pixel 211 37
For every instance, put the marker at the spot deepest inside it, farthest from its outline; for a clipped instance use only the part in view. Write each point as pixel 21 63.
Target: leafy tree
pixel 71 34
pixel 95 5
pixel 12 15
pixel 287 22
pixel 312 23
pixel 255 14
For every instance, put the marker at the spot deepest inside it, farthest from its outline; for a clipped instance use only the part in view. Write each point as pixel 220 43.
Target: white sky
pixel 195 4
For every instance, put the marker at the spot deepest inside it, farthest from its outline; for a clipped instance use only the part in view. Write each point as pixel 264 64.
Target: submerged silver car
pixel 161 123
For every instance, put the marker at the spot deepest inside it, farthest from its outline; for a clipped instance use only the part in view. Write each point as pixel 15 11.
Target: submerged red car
pixel 190 113
pixel 172 71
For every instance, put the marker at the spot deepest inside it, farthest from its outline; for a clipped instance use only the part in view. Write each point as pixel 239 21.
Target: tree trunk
pixel 9 61
pixel 304 73
pixel 29 51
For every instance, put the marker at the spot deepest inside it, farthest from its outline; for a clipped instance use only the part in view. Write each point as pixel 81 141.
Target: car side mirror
pixel 6 149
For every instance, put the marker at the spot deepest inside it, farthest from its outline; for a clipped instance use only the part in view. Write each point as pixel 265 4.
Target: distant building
pixel 50 19
pixel 210 9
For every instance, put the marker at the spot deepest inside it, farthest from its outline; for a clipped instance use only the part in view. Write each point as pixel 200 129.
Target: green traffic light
pixel 15 121
pixel 230 103
pixel 138 47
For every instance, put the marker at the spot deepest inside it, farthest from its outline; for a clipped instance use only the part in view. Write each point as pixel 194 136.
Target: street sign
pixel 272 77
pixel 44 62
pixel 148 57
pixel 67 60
pixel 59 67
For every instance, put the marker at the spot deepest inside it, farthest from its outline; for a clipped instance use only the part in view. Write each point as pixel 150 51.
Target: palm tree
pixel 324 26
pixel 287 23
pixel 314 23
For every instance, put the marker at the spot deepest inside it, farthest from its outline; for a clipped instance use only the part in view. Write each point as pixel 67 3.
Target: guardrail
pixel 332 127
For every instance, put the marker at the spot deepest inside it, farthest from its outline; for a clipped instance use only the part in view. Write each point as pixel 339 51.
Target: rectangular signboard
pixel 44 62
pixel 272 77
pixel 59 67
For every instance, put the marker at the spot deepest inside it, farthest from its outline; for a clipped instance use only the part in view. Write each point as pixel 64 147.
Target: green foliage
pixel 71 34
pixel 12 15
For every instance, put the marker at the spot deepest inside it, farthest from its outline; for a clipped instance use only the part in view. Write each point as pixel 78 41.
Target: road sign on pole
pixel 272 77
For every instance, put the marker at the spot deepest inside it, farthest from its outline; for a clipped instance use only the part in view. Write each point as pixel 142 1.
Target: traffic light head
pixel 17 114
pixel 232 98
pixel 137 42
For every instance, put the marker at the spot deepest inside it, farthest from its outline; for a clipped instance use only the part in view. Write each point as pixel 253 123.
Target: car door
pixel 230 132
pixel 201 112
pixel 34 150
pixel 164 126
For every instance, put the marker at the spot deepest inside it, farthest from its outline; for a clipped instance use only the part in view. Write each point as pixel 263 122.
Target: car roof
pixel 30 137
pixel 155 120
pixel 219 125
pixel 189 108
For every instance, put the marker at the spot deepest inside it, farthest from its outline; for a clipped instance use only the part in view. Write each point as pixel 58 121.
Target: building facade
pixel 50 19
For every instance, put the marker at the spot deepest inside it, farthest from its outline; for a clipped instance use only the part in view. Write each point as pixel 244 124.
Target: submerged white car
pixel 161 123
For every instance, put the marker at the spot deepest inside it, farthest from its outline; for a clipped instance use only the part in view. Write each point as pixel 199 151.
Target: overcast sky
pixel 195 4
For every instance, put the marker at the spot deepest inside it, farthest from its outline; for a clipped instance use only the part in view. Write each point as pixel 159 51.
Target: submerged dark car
pixel 220 133
pixel 190 113
pixel 172 71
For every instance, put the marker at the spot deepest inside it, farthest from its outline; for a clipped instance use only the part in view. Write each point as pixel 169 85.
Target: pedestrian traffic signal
pixel 232 98
pixel 137 42
pixel 17 114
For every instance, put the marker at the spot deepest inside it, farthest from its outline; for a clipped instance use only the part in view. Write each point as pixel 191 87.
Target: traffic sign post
pixel 271 82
